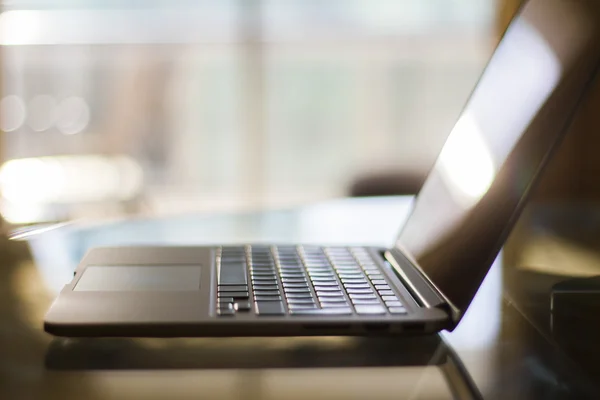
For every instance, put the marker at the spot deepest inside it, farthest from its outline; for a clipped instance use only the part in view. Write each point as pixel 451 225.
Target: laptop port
pixel 377 327
pixel 413 327
pixel 326 326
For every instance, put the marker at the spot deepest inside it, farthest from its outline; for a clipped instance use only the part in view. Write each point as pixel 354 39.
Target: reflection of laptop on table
pixel 518 112
pixel 421 366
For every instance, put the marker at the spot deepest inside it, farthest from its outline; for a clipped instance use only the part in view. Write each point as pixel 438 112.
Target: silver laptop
pixel 522 105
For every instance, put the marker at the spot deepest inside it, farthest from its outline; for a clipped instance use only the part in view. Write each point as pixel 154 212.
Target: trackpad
pixel 118 278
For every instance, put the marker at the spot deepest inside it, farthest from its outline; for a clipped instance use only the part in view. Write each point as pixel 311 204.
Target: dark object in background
pixel 387 184
pixel 575 320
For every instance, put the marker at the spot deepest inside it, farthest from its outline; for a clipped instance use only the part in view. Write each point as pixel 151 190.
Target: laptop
pixel 521 107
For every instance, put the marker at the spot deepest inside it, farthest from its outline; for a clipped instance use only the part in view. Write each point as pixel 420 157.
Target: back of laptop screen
pixel 518 111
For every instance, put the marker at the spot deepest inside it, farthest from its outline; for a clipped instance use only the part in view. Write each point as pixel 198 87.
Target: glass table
pixel 503 348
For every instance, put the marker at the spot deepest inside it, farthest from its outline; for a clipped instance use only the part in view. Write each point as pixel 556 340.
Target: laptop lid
pixel 518 111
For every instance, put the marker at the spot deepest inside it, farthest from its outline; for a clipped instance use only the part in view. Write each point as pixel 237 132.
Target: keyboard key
pixel 360 301
pixel 224 300
pixel 367 309
pixel 261 258
pixel 265 283
pixel 264 280
pixel 344 263
pixel 260 249
pixel 290 264
pixel 256 274
pixel 323 279
pixel 359 291
pixel 382 287
pixel 321 293
pixel 342 254
pixel 293 280
pixel 302 306
pixel 233 259
pixel 377 277
pixel 266 292
pixel 302 285
pixel 368 265
pixel 353 280
pixel 323 268
pixel 351 275
pixel 344 280
pixel 295 273
pixel 332 288
pixel 267 298
pixel 329 304
pixel 265 287
pixel 393 303
pixel 386 293
pixel 287 268
pixel 323 311
pixel 350 278
pixel 300 301
pixel 397 310
pixel 225 311
pixel 340 299
pixel 357 286
pixel 322 274
pixel 242 306
pixel 254 269
pixel 297 290
pixel 379 282
pixel 233 288
pixel 269 308
pixel 222 304
pixel 347 268
pixel 235 295
pixel 370 271
pixel 317 264
pixel 305 295
pixel 233 275
pixel 362 296
pixel 333 284
pixel 389 298
pixel 262 261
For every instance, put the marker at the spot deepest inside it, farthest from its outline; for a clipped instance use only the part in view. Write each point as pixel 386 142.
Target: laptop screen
pixel 518 111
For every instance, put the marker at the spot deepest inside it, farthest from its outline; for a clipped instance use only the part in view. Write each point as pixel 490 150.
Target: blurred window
pixel 231 104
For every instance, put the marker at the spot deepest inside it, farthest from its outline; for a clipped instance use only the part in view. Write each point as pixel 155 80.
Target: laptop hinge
pixel 420 288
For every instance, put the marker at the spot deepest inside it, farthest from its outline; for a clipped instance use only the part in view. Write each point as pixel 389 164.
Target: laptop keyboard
pixel 302 280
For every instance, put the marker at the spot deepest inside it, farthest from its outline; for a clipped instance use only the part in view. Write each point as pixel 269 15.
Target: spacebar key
pixel 269 308
pixel 323 311
pixel 233 275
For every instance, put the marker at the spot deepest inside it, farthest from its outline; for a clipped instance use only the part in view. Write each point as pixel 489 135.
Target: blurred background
pixel 124 107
